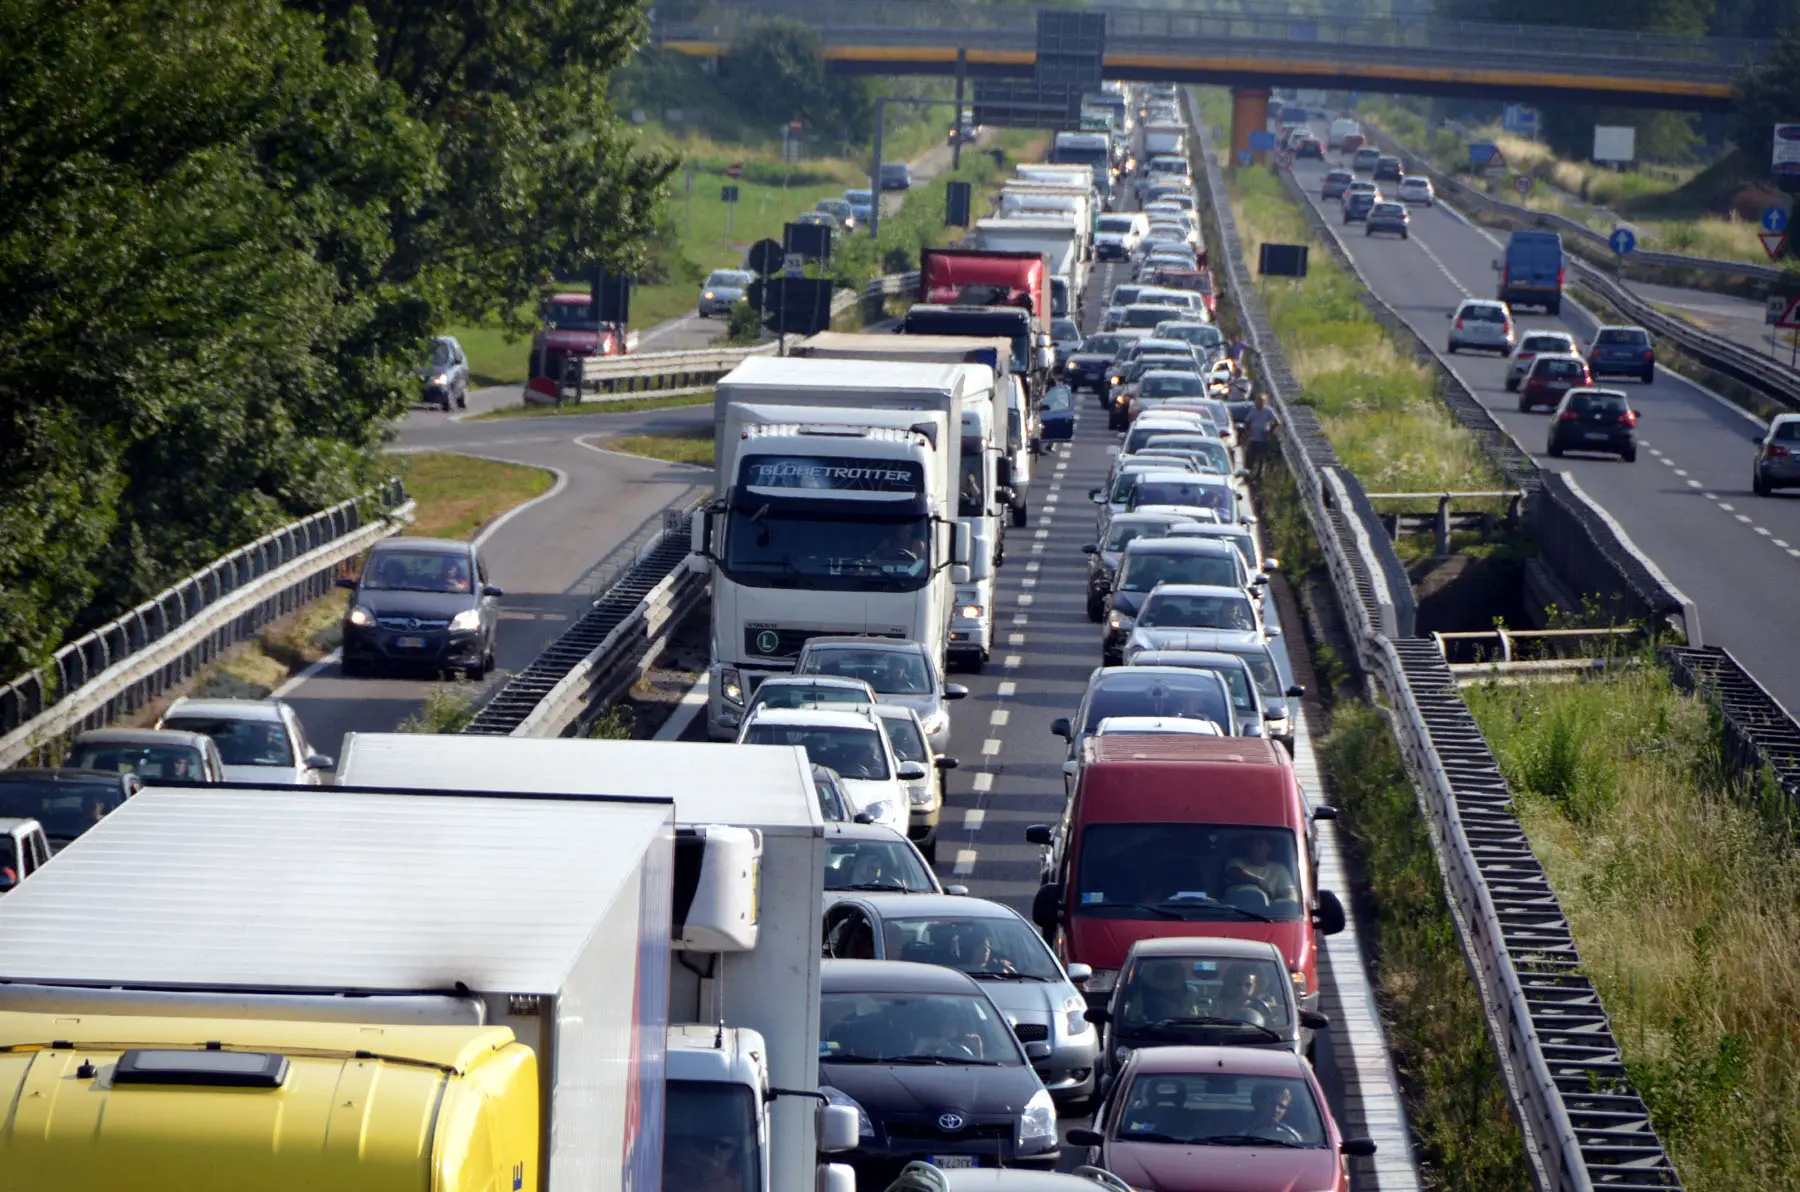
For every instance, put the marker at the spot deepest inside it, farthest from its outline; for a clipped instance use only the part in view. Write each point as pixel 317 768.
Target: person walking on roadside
pixel 1259 429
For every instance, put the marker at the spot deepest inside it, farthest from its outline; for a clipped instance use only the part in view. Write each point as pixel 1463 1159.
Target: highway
pixel 1686 503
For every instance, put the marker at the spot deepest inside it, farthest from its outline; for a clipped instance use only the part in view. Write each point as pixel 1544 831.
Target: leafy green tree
pixel 1767 97
pixel 777 72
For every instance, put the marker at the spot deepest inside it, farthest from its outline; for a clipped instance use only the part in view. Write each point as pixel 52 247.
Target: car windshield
pixel 65 809
pixel 903 737
pixel 982 946
pixel 798 695
pixel 1185 492
pixel 1182 871
pixel 1204 334
pixel 571 316
pixel 1160 692
pixel 914 1028
pixel 1182 386
pixel 859 198
pixel 1482 313
pixel 1178 610
pixel 1125 295
pixel 875 865
pixel 832 807
pixel 241 742
pixel 730 278
pixel 442 354
pixel 1122 532
pixel 178 762
pixel 1220 1109
pixel 402 570
pixel 1558 368
pixel 1624 335
pixel 1198 992
pixel 1145 316
pixel 1143 571
pixel 1545 343
pixel 888 672
pixel 1126 483
pixel 1103 345
pixel 1218 456
pixel 853 752
pixel 1064 329
pixel 1597 403
pixel 1115 223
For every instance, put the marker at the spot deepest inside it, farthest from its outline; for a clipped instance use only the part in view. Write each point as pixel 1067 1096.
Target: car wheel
pixel 1629 455
pixel 1451 349
pixel 1553 308
pixel 353 668
pixel 1370 232
pixel 1512 383
pixel 1650 374
pixel 1406 235
pixel 1759 486
pixel 1096 608
pixel 462 399
pixel 1019 515
pixel 1554 450
pixel 1524 404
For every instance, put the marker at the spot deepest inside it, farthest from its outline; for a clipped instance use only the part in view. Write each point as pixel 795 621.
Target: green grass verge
pixel 624 405
pixel 458 494
pixel 687 447
pixel 1682 887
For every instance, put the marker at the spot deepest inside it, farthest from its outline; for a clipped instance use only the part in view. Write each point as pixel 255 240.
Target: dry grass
pixel 459 494
pixel 1682 888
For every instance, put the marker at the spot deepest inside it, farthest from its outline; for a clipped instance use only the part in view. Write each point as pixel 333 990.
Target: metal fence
pixel 1583 1125
pixel 130 661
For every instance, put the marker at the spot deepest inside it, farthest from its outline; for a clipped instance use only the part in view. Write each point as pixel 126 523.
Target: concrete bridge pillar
pixel 1249 113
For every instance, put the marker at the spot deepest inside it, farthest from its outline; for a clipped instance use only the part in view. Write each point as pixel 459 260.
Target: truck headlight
pixel 731 686
pixel 864 1127
pixel 361 617
pixel 1299 980
pixel 1037 1125
pixel 971 612
pixel 467 621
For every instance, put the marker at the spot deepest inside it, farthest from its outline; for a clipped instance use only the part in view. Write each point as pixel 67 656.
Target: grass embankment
pixel 1378 406
pixel 1682 888
pixel 685 447
pixel 623 405
pixel 455 495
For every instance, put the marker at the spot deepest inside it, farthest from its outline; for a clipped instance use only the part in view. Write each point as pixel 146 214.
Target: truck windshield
pixel 1187 871
pixel 828 550
pixel 710 1140
pixel 571 316
pixel 971 490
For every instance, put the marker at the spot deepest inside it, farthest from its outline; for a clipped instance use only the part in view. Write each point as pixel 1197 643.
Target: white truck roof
pixel 287 887
pixel 760 786
pixel 793 372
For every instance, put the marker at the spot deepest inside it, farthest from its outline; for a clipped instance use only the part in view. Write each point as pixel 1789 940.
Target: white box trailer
pixel 772 988
pixel 248 907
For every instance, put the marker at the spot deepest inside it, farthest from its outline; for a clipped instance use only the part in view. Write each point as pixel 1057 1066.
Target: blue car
pixel 1056 415
pixel 862 203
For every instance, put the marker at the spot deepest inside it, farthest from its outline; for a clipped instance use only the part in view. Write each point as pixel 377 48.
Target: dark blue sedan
pixel 1056 415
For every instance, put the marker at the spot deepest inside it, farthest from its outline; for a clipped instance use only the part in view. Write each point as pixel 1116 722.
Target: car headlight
pixel 1075 1012
pixel 864 1127
pixel 361 617
pixel 879 811
pixel 920 796
pixel 1037 1125
pixel 971 612
pixel 1120 623
pixel 731 686
pixel 467 620
pixel 709 295
pixel 1120 1055
pixel 1299 980
pixel 1102 981
pixel 441 379
pixel 936 723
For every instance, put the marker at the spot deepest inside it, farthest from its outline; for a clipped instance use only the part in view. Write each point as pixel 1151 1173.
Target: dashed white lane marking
pixel 1015 639
pixel 1709 496
pixel 1743 517
pixel 1793 552
pixel 1007 686
pixel 1037 548
pixel 973 818
pixel 1021 618
pixel 1024 597
pixel 1723 505
pixel 1013 662
pixel 1651 450
pixel 990 747
pixel 1693 484
pixel 1666 461
pixel 1781 542
pixel 1032 566
pixel 1681 471
pixel 965 862
pixel 1027 582
pixel 1761 531
pixel 999 717
pixel 1041 534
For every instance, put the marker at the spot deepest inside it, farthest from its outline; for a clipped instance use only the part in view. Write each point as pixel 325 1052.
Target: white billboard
pixel 1615 142
pixel 1787 149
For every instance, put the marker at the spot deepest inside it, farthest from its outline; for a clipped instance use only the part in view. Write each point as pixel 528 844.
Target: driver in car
pixel 1257 867
pixel 979 954
pixel 1238 997
pixel 1270 1103
pixel 943 1033
pixel 901 549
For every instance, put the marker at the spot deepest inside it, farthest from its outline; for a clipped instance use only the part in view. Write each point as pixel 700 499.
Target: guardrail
pixel 130 661
pixel 1447 518
pixel 1582 1124
pixel 667 372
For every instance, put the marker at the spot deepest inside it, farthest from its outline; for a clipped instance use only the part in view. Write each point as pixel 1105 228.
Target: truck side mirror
pixel 1046 908
pixel 699 533
pixel 836 1177
pixel 1329 917
pixel 1037 834
pixel 1060 726
pixel 961 550
pixel 837 1128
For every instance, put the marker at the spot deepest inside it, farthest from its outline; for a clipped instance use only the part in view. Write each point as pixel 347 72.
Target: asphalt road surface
pixel 1686 503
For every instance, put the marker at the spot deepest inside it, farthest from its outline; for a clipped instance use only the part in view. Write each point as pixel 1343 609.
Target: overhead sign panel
pixel 1615 142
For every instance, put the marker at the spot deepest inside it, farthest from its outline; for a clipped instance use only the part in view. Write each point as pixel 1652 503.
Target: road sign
pixel 793 264
pixel 1775 219
pixel 1790 318
pixel 1486 156
pixel 1786 157
pixel 1262 141
pixel 1623 240
pixel 1773 243
pixel 1245 157
pixel 765 257
pixel 1522 184
pixel 728 194
pixel 735 170
pixel 1774 307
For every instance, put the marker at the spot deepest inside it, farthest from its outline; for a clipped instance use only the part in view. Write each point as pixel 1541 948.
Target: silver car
pixel 996 946
pixel 1532 345
pixel 899 672
pixel 1777 463
pixel 874 857
pixel 1481 323
pixel 806 691
pixel 924 796
pixel 723 289
pixel 152 754
pixel 259 740
pixel 1274 682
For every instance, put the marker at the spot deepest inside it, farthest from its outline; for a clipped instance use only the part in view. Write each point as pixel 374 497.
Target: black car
pixel 423 602
pixel 66 801
pixel 895 175
pixel 934 1069
pixel 1310 147
pixel 1594 420
pixel 1357 205
pixel 1388 169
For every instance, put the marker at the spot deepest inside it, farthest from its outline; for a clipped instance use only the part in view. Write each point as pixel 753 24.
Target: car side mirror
pixel 1360 1148
pixel 1098 1015
pixel 1329 917
pixel 1271 564
pixel 1447 316
pixel 1312 1020
pixel 955 691
pixel 319 761
pixel 1093 548
pixel 1295 692
pixel 1037 834
pixel 957 891
pixel 1046 908
pixel 947 763
pixel 1094 496
pixel 347 583
pixel 1071 768
pixel 1060 726
pixel 1081 1136
pixel 1271 631
pixel 1325 811
pixel 862 817
pixel 1078 973
pixel 911 771
pixel 491 590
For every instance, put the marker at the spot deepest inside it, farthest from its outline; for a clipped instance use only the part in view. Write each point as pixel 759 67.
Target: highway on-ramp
pixel 1686 503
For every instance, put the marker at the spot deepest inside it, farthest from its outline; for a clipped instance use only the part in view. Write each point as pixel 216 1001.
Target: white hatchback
pixel 850 741
pixel 1417 189
pixel 1481 323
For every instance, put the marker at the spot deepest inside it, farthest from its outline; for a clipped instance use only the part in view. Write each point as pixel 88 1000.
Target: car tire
pixel 1650 374
pixel 1524 404
pixel 1759 486
pixel 1553 308
pixel 1406 235
pixel 1451 348
pixel 1096 608
pixel 462 400
pixel 1629 455
pixel 1020 514
pixel 1512 383
pixel 1554 450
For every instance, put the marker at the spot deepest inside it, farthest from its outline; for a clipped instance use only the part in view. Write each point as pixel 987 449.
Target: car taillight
pixel 1568 416
pixel 1649 353
pixel 1628 418
pixel 1459 325
pixel 1778 452
pixel 1559 277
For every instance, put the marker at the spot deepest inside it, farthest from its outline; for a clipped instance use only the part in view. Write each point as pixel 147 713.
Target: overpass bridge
pixel 1427 56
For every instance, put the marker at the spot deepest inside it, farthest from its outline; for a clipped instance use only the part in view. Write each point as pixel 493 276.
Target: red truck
pixel 570 330
pixel 1177 834
pixel 980 277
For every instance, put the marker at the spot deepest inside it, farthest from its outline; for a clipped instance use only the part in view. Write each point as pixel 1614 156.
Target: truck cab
pixel 571 330
pixel 24 849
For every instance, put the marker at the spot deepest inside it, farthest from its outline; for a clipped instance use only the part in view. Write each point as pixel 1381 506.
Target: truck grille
pixel 769 641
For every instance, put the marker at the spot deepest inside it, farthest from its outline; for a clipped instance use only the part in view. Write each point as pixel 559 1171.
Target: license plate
pixel 1595 436
pixel 409 643
pixel 953 1162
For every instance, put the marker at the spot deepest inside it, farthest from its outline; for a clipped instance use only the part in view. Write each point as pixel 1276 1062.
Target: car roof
pixel 892 976
pixel 1185 477
pixel 1013 1179
pixel 896 644
pixel 836 716
pixel 1103 674
pixel 436 546
pixel 944 906
pixel 892 712
pixel 1192 544
pixel 1237 1061
pixel 1207 945
pixel 1586 389
pixel 811 680
pixel 1482 302
pixel 232 709
pixel 141 736
pixel 849 829
pixel 1167 372
pixel 1198 590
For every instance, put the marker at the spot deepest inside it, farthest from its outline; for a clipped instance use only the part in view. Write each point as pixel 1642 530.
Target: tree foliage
pixel 227 227
pixel 1767 97
pixel 777 73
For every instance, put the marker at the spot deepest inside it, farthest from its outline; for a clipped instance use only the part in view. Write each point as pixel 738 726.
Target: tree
pixel 777 71
pixel 1768 96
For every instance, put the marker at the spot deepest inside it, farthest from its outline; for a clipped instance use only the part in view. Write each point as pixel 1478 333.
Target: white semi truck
pixel 743 1003
pixel 835 512
pixel 1057 237
pixel 996 462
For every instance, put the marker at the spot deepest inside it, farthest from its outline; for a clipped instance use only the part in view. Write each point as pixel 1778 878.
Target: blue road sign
pixel 1775 219
pixel 1262 140
pixel 1622 241
pixel 1245 157
pixel 1482 154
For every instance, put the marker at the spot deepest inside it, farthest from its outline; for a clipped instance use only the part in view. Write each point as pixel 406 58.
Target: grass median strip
pixel 1681 882
pixel 623 405
pixel 685 447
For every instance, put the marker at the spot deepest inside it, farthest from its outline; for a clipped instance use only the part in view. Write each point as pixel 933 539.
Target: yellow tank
pixel 158 1104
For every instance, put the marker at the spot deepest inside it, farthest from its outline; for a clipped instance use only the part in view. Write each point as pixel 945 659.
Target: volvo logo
pixel 767 641
pixel 948 1122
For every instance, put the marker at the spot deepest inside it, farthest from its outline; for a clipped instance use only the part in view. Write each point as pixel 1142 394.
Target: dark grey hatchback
pixel 1594 420
pixel 422 602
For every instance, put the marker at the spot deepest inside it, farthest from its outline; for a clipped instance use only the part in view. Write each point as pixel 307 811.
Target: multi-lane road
pixel 1686 503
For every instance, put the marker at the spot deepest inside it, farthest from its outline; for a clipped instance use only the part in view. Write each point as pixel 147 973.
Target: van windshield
pixel 1188 871
pixel 710 1139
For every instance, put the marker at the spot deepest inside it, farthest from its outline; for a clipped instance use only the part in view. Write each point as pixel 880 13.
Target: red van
pixel 1180 834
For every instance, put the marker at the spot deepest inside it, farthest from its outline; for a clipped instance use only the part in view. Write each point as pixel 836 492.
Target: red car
pixel 571 329
pixel 1220 1119
pixel 1549 377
